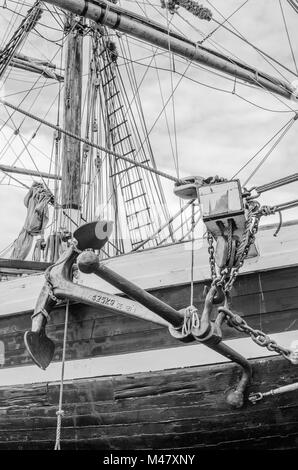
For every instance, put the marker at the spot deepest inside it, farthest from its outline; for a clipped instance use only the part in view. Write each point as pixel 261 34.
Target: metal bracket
pixel 255 397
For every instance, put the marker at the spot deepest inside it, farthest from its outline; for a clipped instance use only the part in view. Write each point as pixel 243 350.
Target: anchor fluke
pixel 235 398
pixel 93 235
pixel 40 347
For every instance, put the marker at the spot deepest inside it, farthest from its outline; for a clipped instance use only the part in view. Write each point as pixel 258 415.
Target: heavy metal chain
pixel 247 240
pixel 258 336
pixel 227 277
pixel 211 257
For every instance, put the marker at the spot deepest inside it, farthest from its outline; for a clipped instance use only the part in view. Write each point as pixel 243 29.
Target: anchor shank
pixel 106 302
pixel 88 262
pixel 231 354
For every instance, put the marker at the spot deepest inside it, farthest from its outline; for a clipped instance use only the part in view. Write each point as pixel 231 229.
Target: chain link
pixel 259 337
pixel 227 277
pixel 211 256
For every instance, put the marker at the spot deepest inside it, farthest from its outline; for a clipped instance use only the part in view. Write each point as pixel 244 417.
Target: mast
pixel 71 149
pixel 112 16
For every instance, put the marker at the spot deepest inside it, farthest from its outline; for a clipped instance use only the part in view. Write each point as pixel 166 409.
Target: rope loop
pixel 45 313
pixel 267 210
pixel 191 320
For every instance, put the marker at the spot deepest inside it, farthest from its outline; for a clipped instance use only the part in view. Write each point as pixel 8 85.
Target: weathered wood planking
pixel 182 408
pixel 268 300
pixel 15 353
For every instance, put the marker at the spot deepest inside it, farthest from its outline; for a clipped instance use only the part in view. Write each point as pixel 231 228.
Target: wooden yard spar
pixel 117 18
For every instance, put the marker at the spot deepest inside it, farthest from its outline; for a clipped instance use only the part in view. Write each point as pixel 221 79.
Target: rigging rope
pixel 216 88
pixel 60 411
pixel 28 23
pixel 294 4
pixel 136 97
pixel 237 34
pixel 288 35
pixel 86 141
pixel 262 148
pixel 272 148
pixel 270 210
pixel 192 253
pixel 169 221
pixel 256 81
pixel 219 25
pixel 276 184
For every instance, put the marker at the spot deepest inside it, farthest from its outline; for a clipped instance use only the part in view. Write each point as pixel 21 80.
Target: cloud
pixel 217 132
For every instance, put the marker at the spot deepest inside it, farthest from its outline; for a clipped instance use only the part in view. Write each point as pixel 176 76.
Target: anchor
pixel 59 287
pixel 40 347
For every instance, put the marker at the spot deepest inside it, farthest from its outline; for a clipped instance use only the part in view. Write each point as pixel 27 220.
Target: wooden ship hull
pixel 130 385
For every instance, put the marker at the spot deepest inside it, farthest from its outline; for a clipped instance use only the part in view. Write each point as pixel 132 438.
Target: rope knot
pixel 60 413
pixel 191 320
pixel 267 210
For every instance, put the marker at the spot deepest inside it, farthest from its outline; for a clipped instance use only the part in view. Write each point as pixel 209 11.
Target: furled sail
pixel 36 201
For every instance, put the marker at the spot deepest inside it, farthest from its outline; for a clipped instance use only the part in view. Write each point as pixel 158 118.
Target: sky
pixel 217 131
